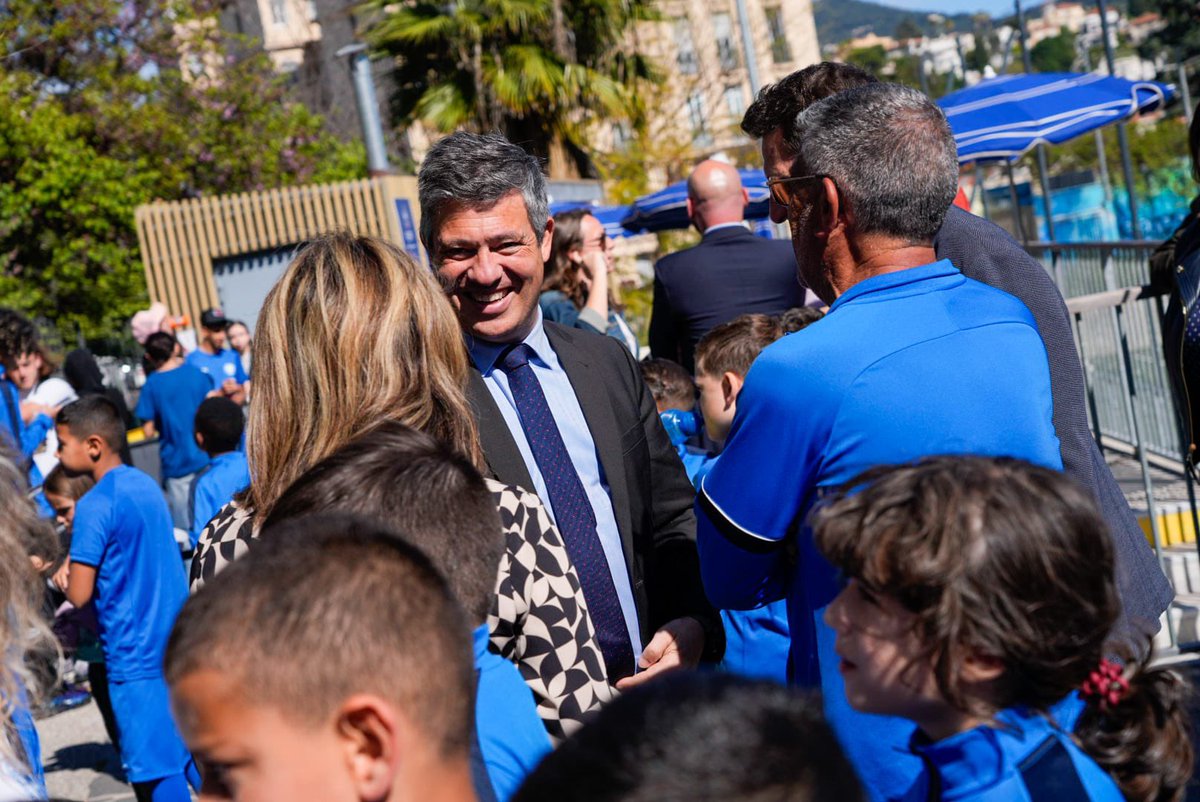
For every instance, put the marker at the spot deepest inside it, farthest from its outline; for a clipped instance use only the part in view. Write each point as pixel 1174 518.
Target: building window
pixel 735 101
pixel 685 48
pixel 699 124
pixel 781 51
pixel 279 12
pixel 726 49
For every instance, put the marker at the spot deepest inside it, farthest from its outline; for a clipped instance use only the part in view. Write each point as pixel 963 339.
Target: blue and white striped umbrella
pixel 610 216
pixel 667 208
pixel 999 119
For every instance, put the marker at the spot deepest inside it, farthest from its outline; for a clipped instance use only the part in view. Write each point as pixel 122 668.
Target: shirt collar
pixel 485 354
pixel 981 757
pixel 722 226
pixel 898 280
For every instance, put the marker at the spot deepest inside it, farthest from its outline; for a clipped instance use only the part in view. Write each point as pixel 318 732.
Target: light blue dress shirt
pixel 573 427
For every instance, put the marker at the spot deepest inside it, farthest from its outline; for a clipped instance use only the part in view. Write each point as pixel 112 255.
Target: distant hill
pixel 839 20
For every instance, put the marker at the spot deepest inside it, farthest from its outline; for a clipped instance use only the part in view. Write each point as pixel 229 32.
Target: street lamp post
pixel 1122 134
pixel 1043 167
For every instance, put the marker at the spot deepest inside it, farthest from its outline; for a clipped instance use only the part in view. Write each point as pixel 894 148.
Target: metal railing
pixel 1116 318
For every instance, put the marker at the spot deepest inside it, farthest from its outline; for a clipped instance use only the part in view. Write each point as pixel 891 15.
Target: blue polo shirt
pixel 215 486
pixel 170 398
pixel 1024 758
pixel 225 364
pixel 512 737
pixel 123 529
pixel 909 364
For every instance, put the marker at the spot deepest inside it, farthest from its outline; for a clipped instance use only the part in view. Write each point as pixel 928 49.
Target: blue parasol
pixel 999 119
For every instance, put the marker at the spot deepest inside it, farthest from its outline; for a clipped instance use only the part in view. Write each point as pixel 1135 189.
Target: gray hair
pixel 477 171
pixel 891 153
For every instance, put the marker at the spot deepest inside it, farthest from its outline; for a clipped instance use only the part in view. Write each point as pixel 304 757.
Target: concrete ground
pixel 81 765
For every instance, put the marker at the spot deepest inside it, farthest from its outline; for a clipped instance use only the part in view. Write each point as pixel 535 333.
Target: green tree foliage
pixel 872 59
pixel 1054 54
pixel 540 71
pixel 1181 36
pixel 108 104
pixel 908 28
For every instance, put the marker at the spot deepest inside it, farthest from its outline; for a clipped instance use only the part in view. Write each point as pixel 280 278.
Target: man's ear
pixel 731 385
pixel 369 731
pixel 548 239
pixel 199 439
pixel 830 208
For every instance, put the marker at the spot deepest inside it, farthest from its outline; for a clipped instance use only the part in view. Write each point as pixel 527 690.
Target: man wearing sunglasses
pixel 912 359
pixel 985 252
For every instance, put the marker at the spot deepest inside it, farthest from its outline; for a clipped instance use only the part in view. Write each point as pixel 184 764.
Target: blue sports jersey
pixel 123 529
pixel 511 735
pixel 225 364
pixel 1024 759
pixel 215 486
pixel 908 364
pixel 170 399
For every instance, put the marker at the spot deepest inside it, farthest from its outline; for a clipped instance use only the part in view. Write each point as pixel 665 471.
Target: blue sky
pixel 993 7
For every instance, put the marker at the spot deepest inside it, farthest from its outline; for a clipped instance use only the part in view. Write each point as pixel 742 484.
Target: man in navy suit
pixel 986 253
pixel 730 273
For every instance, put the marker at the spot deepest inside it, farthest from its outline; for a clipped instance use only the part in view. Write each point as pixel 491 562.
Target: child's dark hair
pixel 94 415
pixel 704 737
pixel 733 346
pixel 669 383
pixel 18 336
pixel 371 606
pixel 221 423
pixel 159 348
pixel 1003 558
pixel 409 481
pixel 799 317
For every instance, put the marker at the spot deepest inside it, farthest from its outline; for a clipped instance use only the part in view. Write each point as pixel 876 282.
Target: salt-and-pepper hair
pixel 476 171
pixel 891 153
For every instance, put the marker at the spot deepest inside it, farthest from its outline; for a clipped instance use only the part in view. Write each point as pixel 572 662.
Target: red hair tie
pixel 1106 685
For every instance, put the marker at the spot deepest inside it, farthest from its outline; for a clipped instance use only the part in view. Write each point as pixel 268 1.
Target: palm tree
pixel 540 71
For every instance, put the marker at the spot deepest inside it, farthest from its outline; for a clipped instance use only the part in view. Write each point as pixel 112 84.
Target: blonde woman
pixel 355 333
pixel 23 635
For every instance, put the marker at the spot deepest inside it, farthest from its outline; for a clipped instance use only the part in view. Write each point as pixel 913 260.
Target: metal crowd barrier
pixel 1116 320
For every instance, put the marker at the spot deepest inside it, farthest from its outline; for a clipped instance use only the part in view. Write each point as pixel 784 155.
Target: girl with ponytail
pixel 979 604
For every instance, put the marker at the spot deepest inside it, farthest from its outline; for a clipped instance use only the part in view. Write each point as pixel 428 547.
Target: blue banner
pixel 408 229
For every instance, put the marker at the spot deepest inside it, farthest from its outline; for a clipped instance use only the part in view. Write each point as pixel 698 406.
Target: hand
pixel 61 575
pixel 31 409
pixel 677 645
pixel 229 387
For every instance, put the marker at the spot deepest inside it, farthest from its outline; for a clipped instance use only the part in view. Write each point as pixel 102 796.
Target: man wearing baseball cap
pixel 222 365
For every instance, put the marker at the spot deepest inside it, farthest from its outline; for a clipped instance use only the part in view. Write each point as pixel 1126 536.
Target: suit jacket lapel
pixel 591 389
pixel 503 457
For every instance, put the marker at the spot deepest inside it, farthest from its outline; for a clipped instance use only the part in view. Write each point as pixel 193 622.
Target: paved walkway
pixel 81 765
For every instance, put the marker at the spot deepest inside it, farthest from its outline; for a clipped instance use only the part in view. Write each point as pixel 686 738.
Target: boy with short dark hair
pixel 329 664
pixel 674 394
pixel 441 505
pixel 701 737
pixel 219 427
pixel 123 555
pixel 757 642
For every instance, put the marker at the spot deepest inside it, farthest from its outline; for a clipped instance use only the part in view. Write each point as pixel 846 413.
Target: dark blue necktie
pixel 572 511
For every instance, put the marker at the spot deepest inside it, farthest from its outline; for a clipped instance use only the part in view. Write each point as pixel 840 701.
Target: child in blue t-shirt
pixel 980 598
pixel 438 502
pixel 123 556
pixel 757 642
pixel 219 426
pixel 222 365
pixel 168 404
pixel 675 396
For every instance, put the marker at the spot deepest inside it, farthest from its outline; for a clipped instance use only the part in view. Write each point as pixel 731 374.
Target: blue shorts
pixel 151 747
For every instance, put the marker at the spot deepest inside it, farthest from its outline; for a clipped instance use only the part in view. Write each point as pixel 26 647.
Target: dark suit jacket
pixel 985 252
pixel 730 273
pixel 652 497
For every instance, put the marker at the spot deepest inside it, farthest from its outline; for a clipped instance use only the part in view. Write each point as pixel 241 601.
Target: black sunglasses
pixel 779 191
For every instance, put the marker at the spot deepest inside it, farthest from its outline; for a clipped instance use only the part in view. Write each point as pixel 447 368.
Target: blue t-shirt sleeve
pixel 35 434
pixel 753 496
pixel 239 370
pixel 89 532
pixel 146 408
pixel 205 505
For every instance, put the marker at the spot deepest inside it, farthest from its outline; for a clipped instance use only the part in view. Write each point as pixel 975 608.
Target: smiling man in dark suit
pixel 565 412
pixel 731 272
